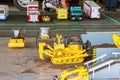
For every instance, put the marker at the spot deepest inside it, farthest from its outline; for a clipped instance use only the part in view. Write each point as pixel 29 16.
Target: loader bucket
pixel 16 33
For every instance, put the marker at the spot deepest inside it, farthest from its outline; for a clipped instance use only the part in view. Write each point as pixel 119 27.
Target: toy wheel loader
pixel 79 73
pixel 64 50
pixel 17 40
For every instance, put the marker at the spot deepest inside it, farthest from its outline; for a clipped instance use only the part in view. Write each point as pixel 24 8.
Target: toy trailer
pixel 91 9
pixel 4 12
pixel 33 12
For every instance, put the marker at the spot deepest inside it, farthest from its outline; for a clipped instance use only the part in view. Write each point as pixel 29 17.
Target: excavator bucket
pixel 116 40
pixel 17 40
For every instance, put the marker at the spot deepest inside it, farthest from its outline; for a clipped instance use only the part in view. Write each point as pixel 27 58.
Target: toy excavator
pixel 79 73
pixel 65 50
pixel 116 40
pixel 17 40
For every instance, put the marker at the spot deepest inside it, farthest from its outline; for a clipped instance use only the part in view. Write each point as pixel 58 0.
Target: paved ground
pixel 24 64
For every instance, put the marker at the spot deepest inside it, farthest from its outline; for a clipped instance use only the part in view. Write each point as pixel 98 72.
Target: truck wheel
pixel 21 4
pixel 73 18
pixel 79 18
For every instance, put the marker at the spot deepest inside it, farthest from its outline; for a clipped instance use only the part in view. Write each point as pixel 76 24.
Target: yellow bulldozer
pixel 64 50
pixel 78 73
pixel 17 40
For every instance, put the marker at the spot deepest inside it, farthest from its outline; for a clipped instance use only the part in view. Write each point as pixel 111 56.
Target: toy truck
pixel 61 13
pixel 76 13
pixel 4 12
pixel 33 12
pixel 91 9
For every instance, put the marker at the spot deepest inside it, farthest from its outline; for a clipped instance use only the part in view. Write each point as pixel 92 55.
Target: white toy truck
pixel 91 9
pixel 4 12
pixel 33 13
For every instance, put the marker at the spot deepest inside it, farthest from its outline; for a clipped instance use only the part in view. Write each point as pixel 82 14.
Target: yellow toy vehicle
pixel 116 40
pixel 62 13
pixel 79 73
pixel 17 40
pixel 64 50
pixel 46 18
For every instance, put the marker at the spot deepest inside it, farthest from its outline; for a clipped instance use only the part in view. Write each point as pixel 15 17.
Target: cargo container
pixel 4 12
pixel 33 12
pixel 91 9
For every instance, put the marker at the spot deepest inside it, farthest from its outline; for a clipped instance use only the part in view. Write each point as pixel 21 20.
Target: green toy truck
pixel 76 13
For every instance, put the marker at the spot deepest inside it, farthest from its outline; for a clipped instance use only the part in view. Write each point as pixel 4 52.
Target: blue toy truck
pixel 76 13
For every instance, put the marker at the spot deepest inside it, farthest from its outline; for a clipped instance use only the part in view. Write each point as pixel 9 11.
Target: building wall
pixel 105 73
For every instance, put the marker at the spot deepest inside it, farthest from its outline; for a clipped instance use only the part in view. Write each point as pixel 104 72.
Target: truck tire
pixel 21 4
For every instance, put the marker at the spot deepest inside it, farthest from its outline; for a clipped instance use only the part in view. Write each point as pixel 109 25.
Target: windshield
pixel 77 11
pixel 33 13
pixel 62 11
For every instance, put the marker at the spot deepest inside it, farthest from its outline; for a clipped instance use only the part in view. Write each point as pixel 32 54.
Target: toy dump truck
pixel 76 13
pixel 17 40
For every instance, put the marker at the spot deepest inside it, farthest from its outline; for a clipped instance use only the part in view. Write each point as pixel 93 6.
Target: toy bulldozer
pixel 78 73
pixel 65 50
pixel 17 40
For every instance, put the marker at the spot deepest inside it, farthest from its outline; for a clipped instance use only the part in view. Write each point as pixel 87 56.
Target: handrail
pixel 102 64
pixel 101 57
pixel 116 53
